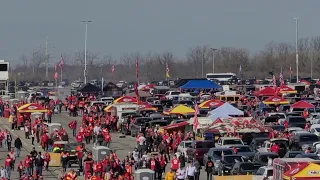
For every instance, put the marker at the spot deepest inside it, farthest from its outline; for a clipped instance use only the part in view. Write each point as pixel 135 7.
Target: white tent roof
pixel 227 109
pixel 218 115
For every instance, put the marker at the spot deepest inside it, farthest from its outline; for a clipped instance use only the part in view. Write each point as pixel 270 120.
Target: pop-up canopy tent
pixel 303 171
pixel 227 109
pixel 286 90
pixel 268 91
pixel 302 104
pixel 200 84
pixel 275 100
pixel 31 108
pixel 217 115
pixel 211 103
pixel 179 109
pixel 126 99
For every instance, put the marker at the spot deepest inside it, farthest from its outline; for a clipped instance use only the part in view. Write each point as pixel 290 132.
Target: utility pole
pixel 85 73
pixel 297 55
pixel 213 49
pixel 46 54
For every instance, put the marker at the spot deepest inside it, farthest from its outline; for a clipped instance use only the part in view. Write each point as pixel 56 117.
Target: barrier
pixel 238 177
pixel 55 160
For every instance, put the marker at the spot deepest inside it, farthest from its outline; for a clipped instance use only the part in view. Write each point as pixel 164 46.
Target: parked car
pixel 244 150
pixel 216 154
pixel 292 154
pixel 296 121
pixel 245 168
pixel 282 142
pixel 183 146
pixel 308 155
pixel 256 143
pixel 262 157
pixel 264 173
pixel 198 149
pixel 229 141
pixel 226 163
pixel 302 141
pixel 315 129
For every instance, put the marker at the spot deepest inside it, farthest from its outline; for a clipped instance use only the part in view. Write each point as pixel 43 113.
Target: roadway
pixel 122 146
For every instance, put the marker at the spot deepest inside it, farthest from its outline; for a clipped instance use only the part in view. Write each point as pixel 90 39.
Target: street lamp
pixel 85 51
pixel 297 55
pixel 213 49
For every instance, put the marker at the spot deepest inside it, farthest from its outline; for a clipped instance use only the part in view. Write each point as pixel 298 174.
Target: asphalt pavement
pixel 122 146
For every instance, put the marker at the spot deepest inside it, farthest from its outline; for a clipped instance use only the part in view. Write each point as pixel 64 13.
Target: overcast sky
pixel 120 26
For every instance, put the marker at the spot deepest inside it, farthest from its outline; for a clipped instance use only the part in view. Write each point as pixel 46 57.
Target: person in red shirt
pixel 20 168
pixel 44 141
pixel 175 163
pixel 275 148
pixel 8 164
pixel 234 149
pixel 107 138
pixel 308 150
pixel 285 124
pixel 79 138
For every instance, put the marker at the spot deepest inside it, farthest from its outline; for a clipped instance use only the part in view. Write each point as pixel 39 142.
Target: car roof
pixel 267 167
pixel 305 133
pixel 279 139
pixel 315 126
pixel 229 138
pixel 266 153
pixel 221 148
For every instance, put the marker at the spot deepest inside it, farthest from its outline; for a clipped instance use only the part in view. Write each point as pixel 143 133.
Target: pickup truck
pixel 139 125
pixel 198 149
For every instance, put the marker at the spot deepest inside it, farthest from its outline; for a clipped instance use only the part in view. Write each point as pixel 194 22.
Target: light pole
pixel 297 55
pixel 213 49
pixel 85 52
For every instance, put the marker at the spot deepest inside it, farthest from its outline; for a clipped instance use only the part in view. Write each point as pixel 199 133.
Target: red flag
pixel 135 88
pixel 137 68
pixel 55 75
pixel 61 62
pixel 195 118
pixel 112 68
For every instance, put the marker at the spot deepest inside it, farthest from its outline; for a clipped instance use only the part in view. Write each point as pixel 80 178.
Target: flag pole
pixel 61 76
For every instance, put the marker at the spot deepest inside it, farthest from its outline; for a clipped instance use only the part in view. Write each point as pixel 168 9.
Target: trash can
pixel 144 174
pixel 99 152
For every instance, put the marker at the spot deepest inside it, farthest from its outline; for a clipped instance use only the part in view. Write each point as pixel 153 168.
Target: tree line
pixel 197 62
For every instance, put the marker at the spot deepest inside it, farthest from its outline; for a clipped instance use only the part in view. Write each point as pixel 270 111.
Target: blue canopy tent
pixel 227 109
pixel 200 84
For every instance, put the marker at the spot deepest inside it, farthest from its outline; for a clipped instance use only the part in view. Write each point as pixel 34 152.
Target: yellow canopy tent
pixel 31 108
pixel 108 108
pixel 308 172
pixel 180 109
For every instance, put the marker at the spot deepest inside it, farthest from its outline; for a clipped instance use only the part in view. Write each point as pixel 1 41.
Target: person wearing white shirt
pixel 3 173
pixel 190 171
pixel 96 129
pixel 181 173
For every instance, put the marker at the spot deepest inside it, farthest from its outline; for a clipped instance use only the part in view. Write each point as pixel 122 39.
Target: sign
pixel 276 99
pixel 103 152
pixel 313 173
pixel 127 100
pixel 125 109
pixel 55 160
pixel 32 107
pixel 213 104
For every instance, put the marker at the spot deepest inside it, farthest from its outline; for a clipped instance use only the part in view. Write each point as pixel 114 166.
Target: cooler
pixel 100 152
pixel 144 174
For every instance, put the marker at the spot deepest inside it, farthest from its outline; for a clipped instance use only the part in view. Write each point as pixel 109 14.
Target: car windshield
pixel 297 120
pixel 280 116
pixel 278 128
pixel 175 93
pixel 188 144
pixel 225 152
pixel 244 149
pixel 309 138
pixel 270 172
pixel 317 129
pixel 232 141
pixel 232 159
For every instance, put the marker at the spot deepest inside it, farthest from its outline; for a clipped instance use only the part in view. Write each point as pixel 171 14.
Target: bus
pixel 221 76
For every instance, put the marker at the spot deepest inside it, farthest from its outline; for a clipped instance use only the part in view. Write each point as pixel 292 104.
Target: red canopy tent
pixel 285 89
pixel 302 104
pixel 126 99
pixel 268 91
pixel 275 100
pixel 146 106
pixel 211 103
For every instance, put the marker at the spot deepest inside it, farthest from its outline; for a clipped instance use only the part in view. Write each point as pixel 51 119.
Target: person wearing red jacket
pixel 107 138
pixel 26 163
pixel 79 138
pixel 73 125
pixel 44 141
pixel 8 164
pixel 175 163
pixel 20 169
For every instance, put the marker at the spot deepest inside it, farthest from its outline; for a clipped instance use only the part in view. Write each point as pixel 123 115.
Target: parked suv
pixel 198 149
